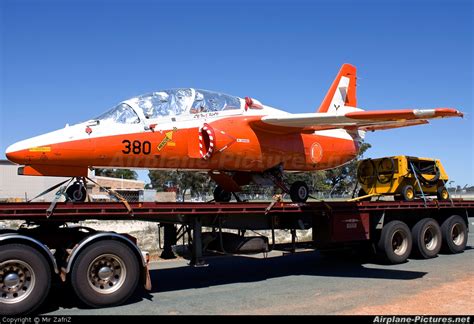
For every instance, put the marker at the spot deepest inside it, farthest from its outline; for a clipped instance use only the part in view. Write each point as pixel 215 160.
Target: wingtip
pixel 450 112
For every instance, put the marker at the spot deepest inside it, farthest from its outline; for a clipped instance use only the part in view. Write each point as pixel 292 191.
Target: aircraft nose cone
pixel 14 155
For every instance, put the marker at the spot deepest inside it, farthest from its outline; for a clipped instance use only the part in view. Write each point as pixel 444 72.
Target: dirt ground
pixel 454 298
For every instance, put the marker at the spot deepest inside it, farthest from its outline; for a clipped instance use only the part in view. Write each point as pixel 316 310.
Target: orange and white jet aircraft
pixel 238 141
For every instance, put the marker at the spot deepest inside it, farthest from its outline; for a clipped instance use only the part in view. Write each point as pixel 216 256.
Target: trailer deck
pixel 166 211
pixel 104 268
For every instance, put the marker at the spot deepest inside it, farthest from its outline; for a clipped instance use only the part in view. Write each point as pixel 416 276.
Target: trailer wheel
pixel 454 232
pixel 408 193
pixel 442 193
pixel 299 191
pixel 106 273
pixel 426 238
pixel 395 242
pixel 25 279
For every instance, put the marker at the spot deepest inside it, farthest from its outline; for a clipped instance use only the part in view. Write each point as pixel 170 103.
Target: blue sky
pixel 67 61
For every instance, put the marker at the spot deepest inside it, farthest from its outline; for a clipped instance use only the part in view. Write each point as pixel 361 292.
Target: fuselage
pixel 183 129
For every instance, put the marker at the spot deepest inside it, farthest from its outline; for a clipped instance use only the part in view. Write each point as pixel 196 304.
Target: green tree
pixel 117 173
pixel 341 180
pixel 199 183
pixel 160 179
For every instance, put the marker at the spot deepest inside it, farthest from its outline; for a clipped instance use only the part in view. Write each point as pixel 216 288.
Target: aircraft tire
pixel 220 195
pixel 77 192
pixel 299 191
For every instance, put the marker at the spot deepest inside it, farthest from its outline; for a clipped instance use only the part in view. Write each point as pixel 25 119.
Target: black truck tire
pixel 426 238
pixel 25 279
pixel 106 273
pixel 395 242
pixel 454 233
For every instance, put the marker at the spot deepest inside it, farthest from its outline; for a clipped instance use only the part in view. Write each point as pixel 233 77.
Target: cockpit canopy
pixel 121 114
pixel 174 102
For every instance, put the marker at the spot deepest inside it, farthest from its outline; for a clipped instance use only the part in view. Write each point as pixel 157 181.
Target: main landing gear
pixel 298 191
pixel 220 195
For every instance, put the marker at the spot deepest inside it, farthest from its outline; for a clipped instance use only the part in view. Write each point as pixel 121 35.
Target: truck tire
pixel 106 273
pixel 426 238
pixel 25 279
pixel 454 233
pixel 395 242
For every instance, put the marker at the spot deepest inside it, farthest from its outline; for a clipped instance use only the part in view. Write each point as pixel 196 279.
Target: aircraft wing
pixel 360 120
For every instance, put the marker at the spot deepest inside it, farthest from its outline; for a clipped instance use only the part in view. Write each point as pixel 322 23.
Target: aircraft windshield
pixel 121 114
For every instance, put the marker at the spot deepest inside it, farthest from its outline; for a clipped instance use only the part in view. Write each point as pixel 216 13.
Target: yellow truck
pixel 404 177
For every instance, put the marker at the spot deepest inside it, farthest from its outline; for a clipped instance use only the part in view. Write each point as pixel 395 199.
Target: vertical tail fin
pixel 342 91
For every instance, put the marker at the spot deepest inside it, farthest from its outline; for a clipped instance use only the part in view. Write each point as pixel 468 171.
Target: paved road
pixel 302 283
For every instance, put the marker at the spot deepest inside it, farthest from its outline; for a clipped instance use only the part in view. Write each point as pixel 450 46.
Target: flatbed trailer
pixel 105 268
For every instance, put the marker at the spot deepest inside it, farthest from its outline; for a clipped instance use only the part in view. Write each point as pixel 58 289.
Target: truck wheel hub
pixel 17 281
pixel 105 273
pixel 11 280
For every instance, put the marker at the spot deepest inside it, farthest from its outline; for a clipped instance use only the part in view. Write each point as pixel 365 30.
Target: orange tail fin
pixel 342 91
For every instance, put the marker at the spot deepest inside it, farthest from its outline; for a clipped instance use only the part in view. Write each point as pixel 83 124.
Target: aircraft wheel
pixel 299 192
pixel 106 273
pixel 408 193
pixel 442 193
pixel 77 192
pixel 220 195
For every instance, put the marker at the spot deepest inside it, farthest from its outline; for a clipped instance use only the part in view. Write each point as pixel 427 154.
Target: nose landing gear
pixel 77 191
